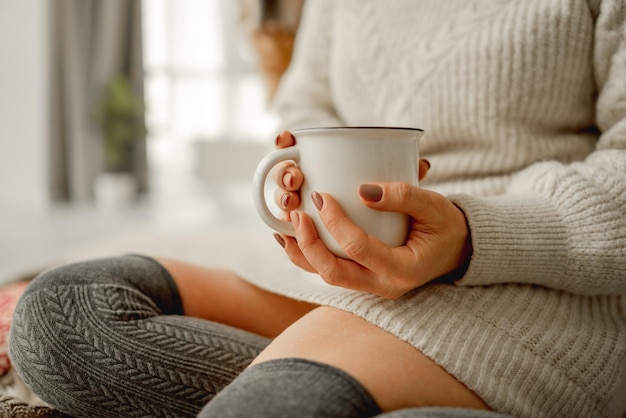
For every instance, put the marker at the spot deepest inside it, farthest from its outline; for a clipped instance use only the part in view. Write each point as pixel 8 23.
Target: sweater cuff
pixel 515 239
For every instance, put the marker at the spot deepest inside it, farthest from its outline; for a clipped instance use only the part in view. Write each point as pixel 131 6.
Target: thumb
pixel 395 197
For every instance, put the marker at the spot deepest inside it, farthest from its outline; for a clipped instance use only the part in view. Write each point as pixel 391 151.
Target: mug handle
pixel 258 188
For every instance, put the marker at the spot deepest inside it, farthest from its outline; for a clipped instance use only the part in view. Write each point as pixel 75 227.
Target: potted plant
pixel 120 118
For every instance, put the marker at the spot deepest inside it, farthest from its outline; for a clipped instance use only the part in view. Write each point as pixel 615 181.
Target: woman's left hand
pixel 438 242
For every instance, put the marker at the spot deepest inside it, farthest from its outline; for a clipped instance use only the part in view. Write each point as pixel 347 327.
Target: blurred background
pixel 133 125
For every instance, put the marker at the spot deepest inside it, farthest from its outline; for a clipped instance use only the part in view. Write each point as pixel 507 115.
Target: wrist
pixel 466 250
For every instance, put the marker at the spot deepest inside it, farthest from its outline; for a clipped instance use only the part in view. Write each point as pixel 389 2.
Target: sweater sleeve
pixel 564 226
pixel 303 98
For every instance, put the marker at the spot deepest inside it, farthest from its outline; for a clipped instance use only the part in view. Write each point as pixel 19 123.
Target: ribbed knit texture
pixel 105 338
pixel 292 387
pixel 524 108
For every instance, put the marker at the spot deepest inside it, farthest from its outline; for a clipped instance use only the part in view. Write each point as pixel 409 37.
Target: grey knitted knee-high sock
pixel 292 388
pixel 105 338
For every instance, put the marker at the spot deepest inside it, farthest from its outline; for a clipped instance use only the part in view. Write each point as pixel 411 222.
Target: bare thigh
pixel 395 373
pixel 222 296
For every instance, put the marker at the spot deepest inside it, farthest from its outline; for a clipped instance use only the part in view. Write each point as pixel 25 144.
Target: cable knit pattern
pixel 524 108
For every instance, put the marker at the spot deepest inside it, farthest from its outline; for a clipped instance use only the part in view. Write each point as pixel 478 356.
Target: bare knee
pixel 220 295
pixel 395 373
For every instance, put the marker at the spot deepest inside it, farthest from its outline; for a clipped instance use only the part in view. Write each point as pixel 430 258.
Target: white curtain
pixel 92 40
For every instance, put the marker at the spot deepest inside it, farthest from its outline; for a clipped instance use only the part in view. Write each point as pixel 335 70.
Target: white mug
pixel 337 161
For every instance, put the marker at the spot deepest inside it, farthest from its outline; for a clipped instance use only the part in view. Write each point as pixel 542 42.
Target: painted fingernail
pixel 287 179
pixel 371 192
pixel 280 240
pixel 317 200
pixel 284 200
pixel 295 218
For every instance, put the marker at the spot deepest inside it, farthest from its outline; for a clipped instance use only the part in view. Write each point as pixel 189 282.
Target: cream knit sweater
pixel 524 108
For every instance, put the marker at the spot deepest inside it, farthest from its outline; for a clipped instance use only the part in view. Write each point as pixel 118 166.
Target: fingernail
pixel 277 140
pixel 317 200
pixel 284 200
pixel 287 179
pixel 280 240
pixel 293 137
pixel 427 162
pixel 371 192
pixel 295 218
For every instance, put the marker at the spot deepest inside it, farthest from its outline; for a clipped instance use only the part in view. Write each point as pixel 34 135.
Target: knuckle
pixel 395 286
pixel 357 249
pixel 333 223
pixel 385 289
pixel 436 200
pixel 306 245
pixel 403 192
pixel 280 170
pixel 388 295
pixel 391 293
pixel 292 179
pixel 331 276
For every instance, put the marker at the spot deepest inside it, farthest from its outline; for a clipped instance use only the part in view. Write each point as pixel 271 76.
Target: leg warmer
pixel 292 388
pixel 105 338
pixel 442 412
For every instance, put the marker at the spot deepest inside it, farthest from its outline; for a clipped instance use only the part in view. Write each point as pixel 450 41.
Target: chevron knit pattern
pixel 105 339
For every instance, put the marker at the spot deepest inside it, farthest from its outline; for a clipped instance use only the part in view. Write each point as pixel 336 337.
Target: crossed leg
pixel 116 337
pixel 108 338
pixel 396 374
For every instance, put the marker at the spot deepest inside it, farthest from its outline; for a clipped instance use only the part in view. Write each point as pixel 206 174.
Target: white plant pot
pixel 115 190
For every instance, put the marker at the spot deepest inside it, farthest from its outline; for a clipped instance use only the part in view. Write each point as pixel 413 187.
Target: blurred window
pixel 202 82
pixel 204 94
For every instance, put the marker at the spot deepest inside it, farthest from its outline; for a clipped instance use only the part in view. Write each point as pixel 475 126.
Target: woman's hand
pixel 438 241
pixel 288 178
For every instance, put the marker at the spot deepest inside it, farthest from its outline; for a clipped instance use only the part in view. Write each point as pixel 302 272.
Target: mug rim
pixel 387 128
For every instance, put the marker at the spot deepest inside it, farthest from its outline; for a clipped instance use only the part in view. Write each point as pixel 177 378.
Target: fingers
pixel 287 201
pixel 359 246
pixel 334 270
pixel 438 226
pixel 424 166
pixel 397 197
pixel 374 267
pixel 288 176
pixel 284 139
pixel 293 252
pixel 289 180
